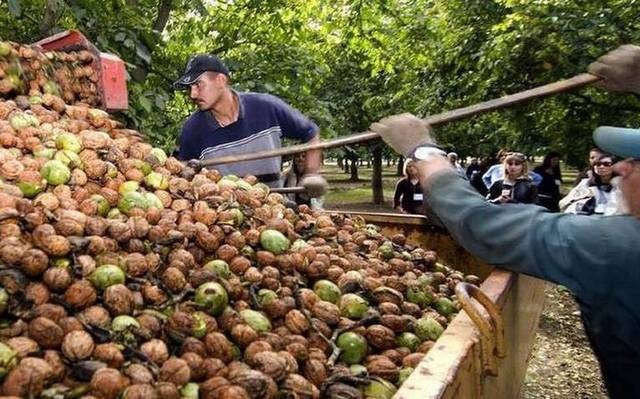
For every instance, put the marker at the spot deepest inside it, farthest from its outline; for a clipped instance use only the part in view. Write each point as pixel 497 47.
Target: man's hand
pixel 404 133
pixel 315 185
pixel 620 69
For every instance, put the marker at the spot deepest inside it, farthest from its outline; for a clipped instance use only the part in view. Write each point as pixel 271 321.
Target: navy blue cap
pixel 618 141
pixel 197 65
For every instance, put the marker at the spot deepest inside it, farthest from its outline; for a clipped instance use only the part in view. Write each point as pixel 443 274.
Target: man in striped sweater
pixel 228 122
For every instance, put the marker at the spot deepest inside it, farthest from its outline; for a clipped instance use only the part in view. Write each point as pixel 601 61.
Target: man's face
pixel 207 90
pixel 629 172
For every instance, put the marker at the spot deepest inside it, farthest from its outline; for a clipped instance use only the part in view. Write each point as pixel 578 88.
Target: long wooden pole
pixel 433 120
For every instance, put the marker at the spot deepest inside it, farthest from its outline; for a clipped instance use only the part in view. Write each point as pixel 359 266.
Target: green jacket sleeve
pixel 579 252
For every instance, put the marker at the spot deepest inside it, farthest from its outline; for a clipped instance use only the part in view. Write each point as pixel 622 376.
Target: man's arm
pixel 313 161
pixel 566 249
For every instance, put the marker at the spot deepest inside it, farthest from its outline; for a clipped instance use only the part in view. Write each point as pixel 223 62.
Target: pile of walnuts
pixel 125 273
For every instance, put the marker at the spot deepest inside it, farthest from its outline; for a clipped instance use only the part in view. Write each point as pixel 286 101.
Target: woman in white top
pixel 597 195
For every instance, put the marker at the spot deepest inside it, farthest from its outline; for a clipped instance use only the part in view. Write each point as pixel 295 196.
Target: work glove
pixel 315 185
pixel 404 133
pixel 620 69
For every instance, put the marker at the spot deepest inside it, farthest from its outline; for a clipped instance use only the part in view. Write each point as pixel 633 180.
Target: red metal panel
pixel 114 82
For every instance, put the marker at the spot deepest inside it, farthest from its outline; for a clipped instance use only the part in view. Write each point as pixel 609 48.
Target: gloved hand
pixel 404 133
pixel 315 185
pixel 619 68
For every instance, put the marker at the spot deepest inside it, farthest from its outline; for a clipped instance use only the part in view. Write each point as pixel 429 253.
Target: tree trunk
pixel 400 170
pixel 376 177
pixel 388 162
pixel 164 10
pixel 354 169
pixel 368 163
pixel 346 165
pixel 340 162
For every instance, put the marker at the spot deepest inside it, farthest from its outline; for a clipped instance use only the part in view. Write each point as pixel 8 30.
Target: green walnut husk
pixel 238 217
pixel 408 340
pixel 158 155
pixel 353 346
pixel 4 300
pixel 69 158
pixel 45 153
pixel 427 328
pixel 403 375
pixel 190 390
pixel 353 306
pixel 444 306
pixel 102 204
pixel 128 186
pixel 266 296
pixel 386 250
pixel 153 201
pixel 230 177
pixel 143 166
pixel 107 275
pixel 298 245
pixel 61 262
pixel 19 120
pixel 212 297
pixel 68 141
pixel 248 252
pixel 30 189
pixel 419 296
pixel 327 291
pixel 379 389
pixel 243 185
pixel 358 370
pixel 55 173
pixel 51 87
pixel 274 241
pixel 5 49
pixel 219 267
pixel 8 359
pixel 157 181
pixel 199 327
pixel 256 320
pixel 123 322
pixel 132 200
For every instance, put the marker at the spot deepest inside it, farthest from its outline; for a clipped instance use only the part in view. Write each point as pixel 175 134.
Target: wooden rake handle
pixel 434 120
pixel 288 190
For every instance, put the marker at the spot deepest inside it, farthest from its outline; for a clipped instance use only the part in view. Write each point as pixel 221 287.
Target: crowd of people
pixel 510 181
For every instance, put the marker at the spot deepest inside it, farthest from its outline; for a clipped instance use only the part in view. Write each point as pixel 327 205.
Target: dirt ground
pixel 562 364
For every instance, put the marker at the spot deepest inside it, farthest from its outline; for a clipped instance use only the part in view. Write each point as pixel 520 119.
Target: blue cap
pixel 618 141
pixel 197 65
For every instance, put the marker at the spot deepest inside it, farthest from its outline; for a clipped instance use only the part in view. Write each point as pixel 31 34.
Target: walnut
pixel 77 345
pixel 176 371
pixel 381 366
pixel 381 337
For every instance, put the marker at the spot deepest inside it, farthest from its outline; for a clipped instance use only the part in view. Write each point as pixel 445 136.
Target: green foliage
pixel 348 63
